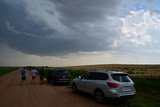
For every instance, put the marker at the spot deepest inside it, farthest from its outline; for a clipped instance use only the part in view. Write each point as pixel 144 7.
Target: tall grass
pixel 76 73
pixel 147 83
pixel 148 92
pixel 132 69
pixel 5 70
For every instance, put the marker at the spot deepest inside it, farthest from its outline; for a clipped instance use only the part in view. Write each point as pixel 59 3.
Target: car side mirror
pixel 79 77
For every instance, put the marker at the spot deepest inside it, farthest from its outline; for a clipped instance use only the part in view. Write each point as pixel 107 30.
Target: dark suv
pixel 58 76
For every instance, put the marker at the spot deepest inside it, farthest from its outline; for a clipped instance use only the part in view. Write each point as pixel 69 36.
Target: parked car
pixel 104 84
pixel 58 76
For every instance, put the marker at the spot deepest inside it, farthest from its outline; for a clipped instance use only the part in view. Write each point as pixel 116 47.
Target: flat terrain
pixel 12 94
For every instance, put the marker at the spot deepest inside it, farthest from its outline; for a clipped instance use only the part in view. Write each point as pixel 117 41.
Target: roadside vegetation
pixel 5 70
pixel 147 92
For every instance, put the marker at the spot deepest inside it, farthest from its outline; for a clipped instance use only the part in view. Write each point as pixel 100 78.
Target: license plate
pixel 126 88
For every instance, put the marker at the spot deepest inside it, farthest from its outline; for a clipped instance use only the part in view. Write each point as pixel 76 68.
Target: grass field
pixel 5 70
pixel 148 92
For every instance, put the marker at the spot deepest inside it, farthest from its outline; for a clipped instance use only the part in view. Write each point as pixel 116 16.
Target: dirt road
pixel 12 94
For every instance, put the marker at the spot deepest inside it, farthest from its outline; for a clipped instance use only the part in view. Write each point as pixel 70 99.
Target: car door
pixel 94 81
pixel 82 82
pixel 88 82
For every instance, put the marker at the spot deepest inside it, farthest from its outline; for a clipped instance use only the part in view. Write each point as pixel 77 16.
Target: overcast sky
pixel 79 32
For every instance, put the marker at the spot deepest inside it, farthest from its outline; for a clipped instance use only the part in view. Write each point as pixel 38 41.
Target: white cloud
pixel 136 27
pixel 115 44
pixel 139 27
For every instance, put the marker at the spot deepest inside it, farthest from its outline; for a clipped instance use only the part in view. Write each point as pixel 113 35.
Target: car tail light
pixel 113 85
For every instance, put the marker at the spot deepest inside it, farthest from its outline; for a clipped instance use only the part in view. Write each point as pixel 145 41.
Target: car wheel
pixel 74 89
pixel 99 96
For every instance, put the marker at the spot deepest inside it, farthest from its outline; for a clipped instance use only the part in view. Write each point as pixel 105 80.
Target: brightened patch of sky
pixel 136 5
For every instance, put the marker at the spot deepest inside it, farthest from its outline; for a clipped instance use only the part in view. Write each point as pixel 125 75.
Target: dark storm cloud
pixel 57 27
pixel 86 10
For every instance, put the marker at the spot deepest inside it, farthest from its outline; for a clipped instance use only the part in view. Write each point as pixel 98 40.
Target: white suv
pixel 103 84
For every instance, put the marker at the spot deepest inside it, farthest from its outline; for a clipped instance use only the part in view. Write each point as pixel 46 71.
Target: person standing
pixel 34 74
pixel 23 75
pixel 41 73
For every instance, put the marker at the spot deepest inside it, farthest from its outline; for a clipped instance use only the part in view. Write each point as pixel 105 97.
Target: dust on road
pixel 12 94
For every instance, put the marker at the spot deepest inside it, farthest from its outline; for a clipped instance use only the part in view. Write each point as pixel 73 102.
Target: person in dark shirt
pixel 49 76
pixel 41 73
pixel 23 74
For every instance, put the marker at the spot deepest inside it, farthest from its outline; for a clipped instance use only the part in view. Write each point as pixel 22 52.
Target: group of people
pixel 34 74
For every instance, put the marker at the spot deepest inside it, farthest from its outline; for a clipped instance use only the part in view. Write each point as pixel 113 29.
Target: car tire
pixel 74 89
pixel 99 96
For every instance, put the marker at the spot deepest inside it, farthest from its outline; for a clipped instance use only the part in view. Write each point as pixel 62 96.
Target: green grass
pixel 130 68
pixel 148 92
pixel 77 73
pixel 147 83
pixel 5 70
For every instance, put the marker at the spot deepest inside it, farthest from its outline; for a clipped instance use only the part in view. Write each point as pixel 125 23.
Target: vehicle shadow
pixel 60 84
pixel 107 101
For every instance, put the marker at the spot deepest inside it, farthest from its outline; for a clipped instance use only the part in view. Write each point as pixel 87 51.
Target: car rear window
pixel 121 77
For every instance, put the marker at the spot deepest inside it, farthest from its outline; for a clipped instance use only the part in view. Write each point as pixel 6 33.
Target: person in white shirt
pixel 34 74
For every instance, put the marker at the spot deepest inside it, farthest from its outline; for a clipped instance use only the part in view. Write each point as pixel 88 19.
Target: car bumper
pixel 122 95
pixel 127 97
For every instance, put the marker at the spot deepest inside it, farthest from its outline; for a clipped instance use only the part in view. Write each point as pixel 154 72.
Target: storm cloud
pixel 79 32
pixel 58 27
